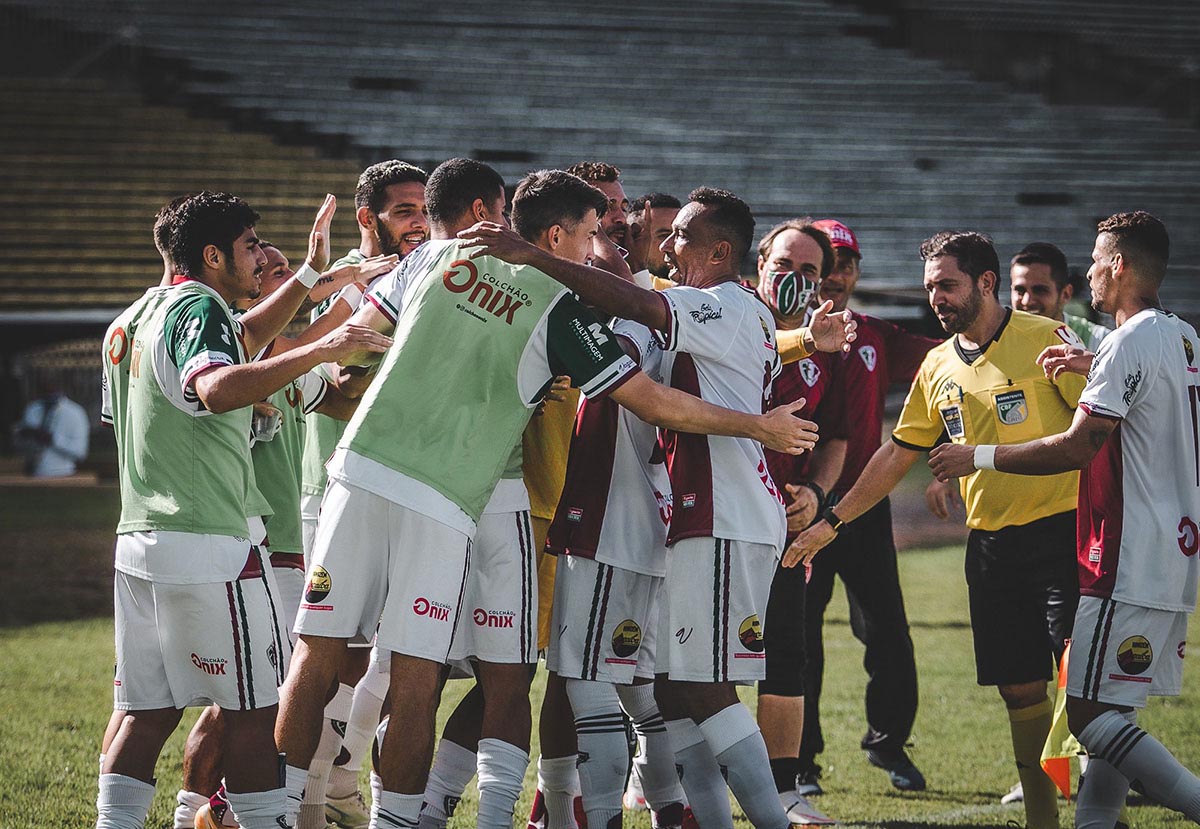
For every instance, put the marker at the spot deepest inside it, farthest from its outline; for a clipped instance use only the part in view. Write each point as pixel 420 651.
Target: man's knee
pixel 1023 695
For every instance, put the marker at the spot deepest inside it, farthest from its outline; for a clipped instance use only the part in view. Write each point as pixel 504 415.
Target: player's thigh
pixel 347 575
pixel 499 609
pixel 1122 653
pixel 426 579
pixel 717 593
pixel 140 676
pixel 600 620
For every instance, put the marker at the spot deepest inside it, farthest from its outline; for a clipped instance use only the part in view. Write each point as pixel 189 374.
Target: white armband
pixel 985 456
pixel 352 295
pixel 307 276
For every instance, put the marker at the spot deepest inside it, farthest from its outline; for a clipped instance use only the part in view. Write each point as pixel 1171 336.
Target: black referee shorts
pixel 1023 585
pixel 783 632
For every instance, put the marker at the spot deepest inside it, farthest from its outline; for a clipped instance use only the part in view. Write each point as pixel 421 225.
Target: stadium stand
pixel 778 101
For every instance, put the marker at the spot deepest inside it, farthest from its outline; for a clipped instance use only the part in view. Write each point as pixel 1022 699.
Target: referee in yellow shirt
pixel 983 386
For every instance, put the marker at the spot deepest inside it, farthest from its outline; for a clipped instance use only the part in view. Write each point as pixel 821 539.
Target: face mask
pixel 788 293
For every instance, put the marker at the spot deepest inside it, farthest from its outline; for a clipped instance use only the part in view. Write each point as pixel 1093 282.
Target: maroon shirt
pixel 812 379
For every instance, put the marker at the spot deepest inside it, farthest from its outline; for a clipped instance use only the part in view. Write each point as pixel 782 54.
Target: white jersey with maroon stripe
pixel 615 503
pixel 1139 499
pixel 720 345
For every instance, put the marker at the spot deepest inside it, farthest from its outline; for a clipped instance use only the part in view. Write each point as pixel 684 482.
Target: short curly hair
pixel 594 171
pixel 371 191
pixel 731 217
pixel 1142 241
pixel 203 219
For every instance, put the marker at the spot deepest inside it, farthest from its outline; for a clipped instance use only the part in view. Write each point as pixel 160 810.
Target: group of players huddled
pixel 568 427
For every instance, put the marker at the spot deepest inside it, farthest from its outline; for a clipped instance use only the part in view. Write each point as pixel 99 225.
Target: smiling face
pixel 1035 291
pixel 402 224
pixel 954 295
pixel 613 224
pixel 842 280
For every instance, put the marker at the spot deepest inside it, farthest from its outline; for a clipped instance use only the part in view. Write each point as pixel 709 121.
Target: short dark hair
pixel 974 253
pixel 455 185
pixel 1044 253
pixel 1142 240
pixel 553 197
pixel 730 216
pixel 805 226
pixel 162 224
pixel 594 171
pixel 371 191
pixel 657 201
pixel 205 219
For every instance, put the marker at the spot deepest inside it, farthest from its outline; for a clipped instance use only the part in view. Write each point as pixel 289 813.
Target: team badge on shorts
pixel 1135 655
pixel 750 634
pixel 319 585
pixel 1011 408
pixel 627 638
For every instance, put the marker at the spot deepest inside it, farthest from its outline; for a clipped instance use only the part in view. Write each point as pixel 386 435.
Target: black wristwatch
pixel 822 498
pixel 830 518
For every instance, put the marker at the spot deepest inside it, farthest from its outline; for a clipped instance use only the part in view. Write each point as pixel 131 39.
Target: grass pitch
pixel 55 699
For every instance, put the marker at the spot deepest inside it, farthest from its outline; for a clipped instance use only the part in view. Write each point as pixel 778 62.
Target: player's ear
pixel 366 219
pixel 554 236
pixel 722 251
pixel 987 282
pixel 1118 263
pixel 1067 292
pixel 479 210
pixel 212 256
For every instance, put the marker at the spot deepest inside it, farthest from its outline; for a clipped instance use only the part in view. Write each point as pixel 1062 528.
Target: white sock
pixel 333 725
pixel 1101 795
pixel 123 802
pixel 559 781
pixel 501 771
pixel 1144 762
pixel 734 739
pixel 258 810
pixel 656 761
pixel 360 730
pixel 397 811
pixel 293 780
pixel 700 775
pixel 453 768
pixel 603 757
pixel 185 811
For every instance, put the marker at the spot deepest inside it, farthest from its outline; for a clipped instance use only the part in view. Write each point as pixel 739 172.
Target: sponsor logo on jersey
pixel 499 298
pixel 1011 408
pixel 869 356
pixel 952 417
pixel 1132 381
pixel 705 313
pixel 118 344
pixel 434 610
pixel 1068 336
pixel 952 391
pixel 1189 537
pixel 750 634
pixel 493 618
pixel 213 666
pixel 1134 655
pixel 1188 350
pixel 810 371
pixel 682 635
pixel 689 500
pixel 575 514
pixel 319 585
pixel 627 638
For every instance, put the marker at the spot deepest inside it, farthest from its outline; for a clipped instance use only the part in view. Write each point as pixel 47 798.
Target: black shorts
pixel 1023 584
pixel 783 633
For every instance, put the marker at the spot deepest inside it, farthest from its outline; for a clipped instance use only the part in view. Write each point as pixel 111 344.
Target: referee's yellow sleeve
pixel 917 427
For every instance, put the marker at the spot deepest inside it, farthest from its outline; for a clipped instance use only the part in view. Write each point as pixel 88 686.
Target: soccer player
pixel 647 232
pixel 180 389
pixel 1041 284
pixel 607 179
pixel 863 555
pixel 478 344
pixel 982 385
pixel 727 517
pixel 1135 437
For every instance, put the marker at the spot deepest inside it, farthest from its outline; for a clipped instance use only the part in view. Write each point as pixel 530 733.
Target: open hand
pixel 351 339
pixel 784 432
pixel 1059 358
pixel 832 332
pixel 318 239
pixel 491 239
pixel 808 544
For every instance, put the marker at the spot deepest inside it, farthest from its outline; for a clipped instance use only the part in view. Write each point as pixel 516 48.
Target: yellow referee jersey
pixel 1003 397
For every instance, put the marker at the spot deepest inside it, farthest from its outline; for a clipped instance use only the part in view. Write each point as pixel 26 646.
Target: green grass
pixel 55 697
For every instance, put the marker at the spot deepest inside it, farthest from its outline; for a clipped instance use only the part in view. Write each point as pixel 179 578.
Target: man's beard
pixel 662 270
pixel 965 316
pixel 388 244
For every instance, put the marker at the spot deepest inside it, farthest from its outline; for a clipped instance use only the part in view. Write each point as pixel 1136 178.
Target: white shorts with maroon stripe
pixel 499 618
pixel 379 565
pixel 605 622
pixel 711 624
pixel 1122 653
pixel 194 644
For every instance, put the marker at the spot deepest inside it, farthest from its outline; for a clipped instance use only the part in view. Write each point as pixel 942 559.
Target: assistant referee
pixel 983 386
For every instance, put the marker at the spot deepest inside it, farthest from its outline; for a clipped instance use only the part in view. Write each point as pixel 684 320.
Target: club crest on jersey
pixel 869 356
pixel 1068 336
pixel 1134 655
pixel 750 634
pixel 1188 349
pixel 500 299
pixel 810 371
pixel 319 585
pixel 627 638
pixel 1011 408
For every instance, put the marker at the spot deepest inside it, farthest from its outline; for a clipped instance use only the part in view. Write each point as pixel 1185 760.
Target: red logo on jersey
pixel 493 618
pixel 765 477
pixel 211 666
pixel 118 344
pixel 1189 537
pixel 665 508
pixel 500 299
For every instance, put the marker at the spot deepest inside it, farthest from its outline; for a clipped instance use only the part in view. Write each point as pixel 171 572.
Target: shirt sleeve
pixel 585 349
pixel 917 427
pixel 698 322
pixel 106 414
pixel 1115 382
pixel 313 388
pixel 1069 384
pixel 200 336
pixel 636 333
pixel 388 293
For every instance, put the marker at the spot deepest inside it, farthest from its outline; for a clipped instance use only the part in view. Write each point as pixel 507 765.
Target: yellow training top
pixel 1002 397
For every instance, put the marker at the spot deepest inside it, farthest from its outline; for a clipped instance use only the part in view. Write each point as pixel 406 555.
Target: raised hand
pixel 784 432
pixel 491 239
pixel 832 332
pixel 1059 358
pixel 318 239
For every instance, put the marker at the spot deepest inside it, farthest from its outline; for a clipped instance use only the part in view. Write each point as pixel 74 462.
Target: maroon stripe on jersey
pixel 579 517
pixel 288 561
pixel 1099 518
pixel 237 646
pixel 726 563
pixel 252 569
pixel 689 466
pixel 599 625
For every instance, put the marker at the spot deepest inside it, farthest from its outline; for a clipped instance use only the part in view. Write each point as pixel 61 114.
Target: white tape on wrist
pixel 985 456
pixel 307 276
pixel 352 295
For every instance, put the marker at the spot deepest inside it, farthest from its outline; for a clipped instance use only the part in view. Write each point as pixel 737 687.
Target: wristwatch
pixel 817 491
pixel 830 518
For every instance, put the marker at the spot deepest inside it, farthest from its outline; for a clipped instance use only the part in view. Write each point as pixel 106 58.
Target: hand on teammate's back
pixel 786 432
pixel 492 239
pixel 832 332
pixel 366 270
pixel 349 339
pixel 1059 358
